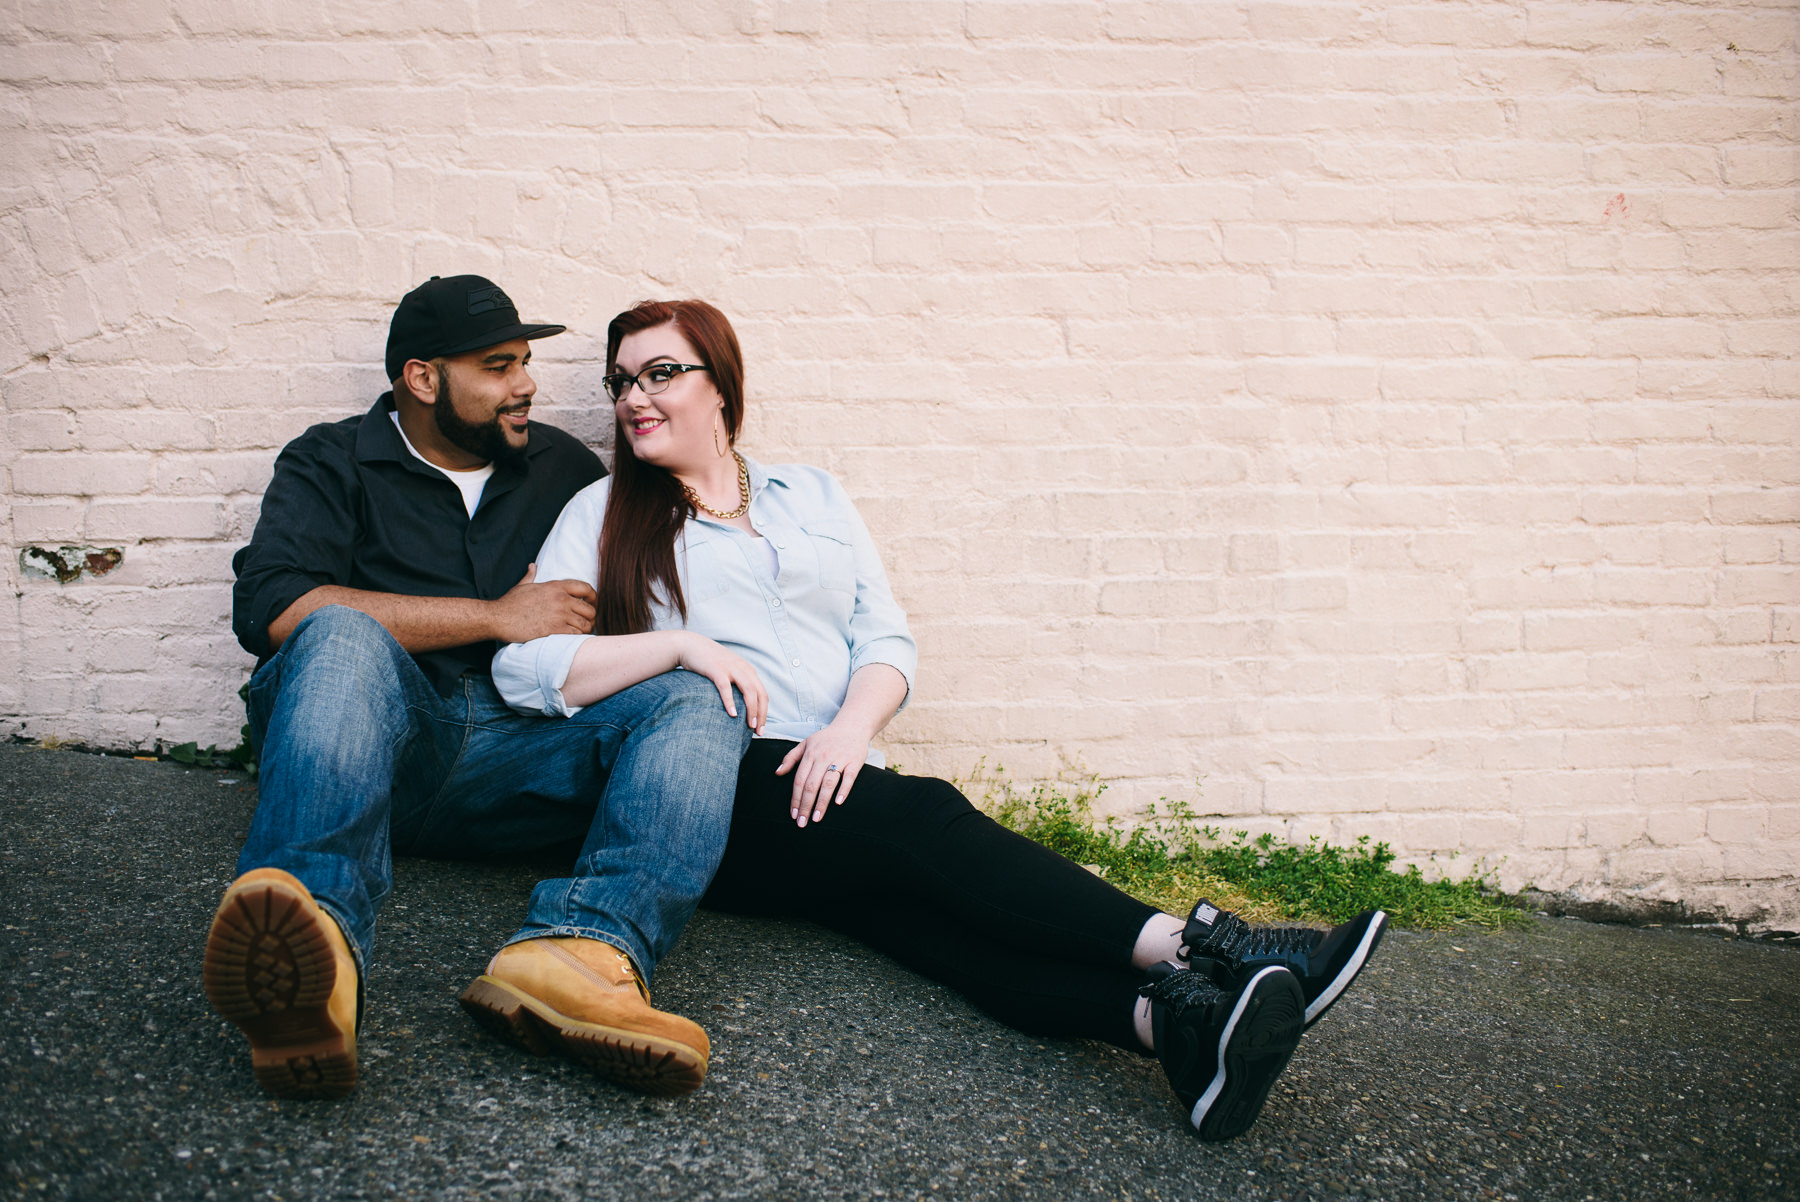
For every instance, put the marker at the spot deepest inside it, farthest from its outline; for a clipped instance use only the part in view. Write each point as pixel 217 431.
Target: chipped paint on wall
pixel 68 563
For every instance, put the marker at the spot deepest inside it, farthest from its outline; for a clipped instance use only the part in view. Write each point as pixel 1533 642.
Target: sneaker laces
pixel 1228 933
pixel 1182 990
pixel 1234 941
pixel 1278 941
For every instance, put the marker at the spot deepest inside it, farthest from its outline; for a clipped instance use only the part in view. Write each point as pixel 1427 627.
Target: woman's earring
pixel 716 446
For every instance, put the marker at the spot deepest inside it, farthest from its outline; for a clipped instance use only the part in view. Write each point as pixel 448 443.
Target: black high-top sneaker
pixel 1222 1049
pixel 1324 962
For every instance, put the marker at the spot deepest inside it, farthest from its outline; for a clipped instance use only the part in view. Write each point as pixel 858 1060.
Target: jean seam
pixel 546 730
pixel 259 729
pixel 437 800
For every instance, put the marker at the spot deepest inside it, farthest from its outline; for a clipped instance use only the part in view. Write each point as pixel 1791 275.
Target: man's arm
pixel 527 611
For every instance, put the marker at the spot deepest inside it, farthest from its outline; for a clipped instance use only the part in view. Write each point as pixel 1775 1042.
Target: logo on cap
pixel 486 300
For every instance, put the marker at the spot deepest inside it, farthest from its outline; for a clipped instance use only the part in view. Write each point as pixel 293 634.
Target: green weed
pixel 1170 859
pixel 241 758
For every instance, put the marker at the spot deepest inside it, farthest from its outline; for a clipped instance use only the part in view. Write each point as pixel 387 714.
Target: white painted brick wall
pixel 1384 412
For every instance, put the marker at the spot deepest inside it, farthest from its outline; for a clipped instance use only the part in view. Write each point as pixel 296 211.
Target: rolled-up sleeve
pixel 305 537
pixel 878 630
pixel 530 676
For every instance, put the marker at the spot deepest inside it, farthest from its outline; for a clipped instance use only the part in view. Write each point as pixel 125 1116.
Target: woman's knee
pixel 939 798
pixel 902 812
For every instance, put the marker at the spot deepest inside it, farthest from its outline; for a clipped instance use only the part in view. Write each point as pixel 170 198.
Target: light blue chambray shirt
pixel 825 613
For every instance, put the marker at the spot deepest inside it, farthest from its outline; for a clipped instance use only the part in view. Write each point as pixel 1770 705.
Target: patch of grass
pixel 1170 859
pixel 241 758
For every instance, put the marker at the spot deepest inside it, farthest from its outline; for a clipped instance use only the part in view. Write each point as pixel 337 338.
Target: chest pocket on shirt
pixel 830 543
pixel 703 575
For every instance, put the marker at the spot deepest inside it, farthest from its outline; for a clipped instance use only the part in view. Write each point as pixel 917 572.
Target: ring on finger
pixel 834 768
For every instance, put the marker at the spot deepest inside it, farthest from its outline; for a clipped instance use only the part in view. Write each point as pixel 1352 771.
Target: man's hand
pixel 529 610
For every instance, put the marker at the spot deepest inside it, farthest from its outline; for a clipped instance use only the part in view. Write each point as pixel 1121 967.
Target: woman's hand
pixel 825 765
pixel 725 669
pixel 824 768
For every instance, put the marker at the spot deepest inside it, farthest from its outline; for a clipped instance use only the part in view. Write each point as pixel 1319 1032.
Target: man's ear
pixel 420 379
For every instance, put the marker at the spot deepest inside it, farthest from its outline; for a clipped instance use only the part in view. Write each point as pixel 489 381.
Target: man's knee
pixel 691 701
pixel 339 624
pixel 343 657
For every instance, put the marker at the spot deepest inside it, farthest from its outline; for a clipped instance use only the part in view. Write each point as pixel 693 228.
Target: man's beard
pixel 486 439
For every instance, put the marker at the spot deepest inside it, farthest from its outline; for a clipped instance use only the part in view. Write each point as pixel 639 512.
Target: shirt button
pixel 776 603
pixel 781 546
pixel 796 663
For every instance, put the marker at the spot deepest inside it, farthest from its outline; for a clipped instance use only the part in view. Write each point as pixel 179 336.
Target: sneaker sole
pixel 1365 947
pixel 1258 1040
pixel 269 969
pixel 646 1063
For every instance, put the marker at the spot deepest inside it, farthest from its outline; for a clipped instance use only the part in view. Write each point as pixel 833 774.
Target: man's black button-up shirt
pixel 349 505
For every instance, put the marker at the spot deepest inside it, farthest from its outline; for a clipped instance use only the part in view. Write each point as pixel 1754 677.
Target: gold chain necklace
pixel 743 494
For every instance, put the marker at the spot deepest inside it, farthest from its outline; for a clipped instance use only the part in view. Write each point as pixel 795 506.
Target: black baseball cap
pixel 450 316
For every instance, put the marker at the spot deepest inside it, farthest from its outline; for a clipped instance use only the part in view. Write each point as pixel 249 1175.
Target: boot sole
pixel 1258 1040
pixel 1365 947
pixel 646 1063
pixel 270 970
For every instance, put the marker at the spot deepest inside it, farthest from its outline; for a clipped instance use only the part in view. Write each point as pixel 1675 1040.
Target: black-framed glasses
pixel 652 379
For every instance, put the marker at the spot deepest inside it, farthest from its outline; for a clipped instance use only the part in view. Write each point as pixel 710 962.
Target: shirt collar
pixel 761 476
pixel 377 437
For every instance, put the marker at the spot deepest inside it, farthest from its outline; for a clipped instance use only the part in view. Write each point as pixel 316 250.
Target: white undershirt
pixel 469 483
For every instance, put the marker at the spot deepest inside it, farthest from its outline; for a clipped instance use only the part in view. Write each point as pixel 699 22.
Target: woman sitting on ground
pixel 764 579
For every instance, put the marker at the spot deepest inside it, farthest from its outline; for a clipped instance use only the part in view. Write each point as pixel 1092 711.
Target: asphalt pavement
pixel 1564 1061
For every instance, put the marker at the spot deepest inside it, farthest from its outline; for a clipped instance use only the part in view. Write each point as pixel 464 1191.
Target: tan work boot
pixel 278 967
pixel 582 998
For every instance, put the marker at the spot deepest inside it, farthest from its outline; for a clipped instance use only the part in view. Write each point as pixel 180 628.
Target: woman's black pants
pixel 909 867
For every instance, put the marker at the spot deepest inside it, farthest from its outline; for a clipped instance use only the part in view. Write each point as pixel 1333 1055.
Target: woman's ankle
pixel 1158 941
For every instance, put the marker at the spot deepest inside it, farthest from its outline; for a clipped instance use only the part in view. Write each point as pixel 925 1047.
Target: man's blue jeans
pixel 361 758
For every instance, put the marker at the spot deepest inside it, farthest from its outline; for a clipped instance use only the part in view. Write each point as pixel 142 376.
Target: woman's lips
pixel 643 425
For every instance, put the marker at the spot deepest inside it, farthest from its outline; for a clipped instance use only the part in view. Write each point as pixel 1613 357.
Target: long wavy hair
pixel 645 508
